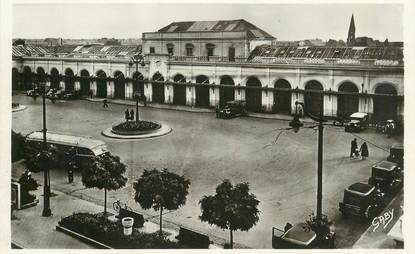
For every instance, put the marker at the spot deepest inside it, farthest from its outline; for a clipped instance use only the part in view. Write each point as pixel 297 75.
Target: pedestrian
pixel 353 148
pixel 145 100
pixel 132 115
pixel 127 115
pixel 105 105
pixel 364 151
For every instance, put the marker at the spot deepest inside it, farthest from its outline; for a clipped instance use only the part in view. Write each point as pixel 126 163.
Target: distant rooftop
pixel 239 25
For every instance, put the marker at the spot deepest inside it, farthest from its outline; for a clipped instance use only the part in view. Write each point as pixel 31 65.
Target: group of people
pixel 129 115
pixel 355 152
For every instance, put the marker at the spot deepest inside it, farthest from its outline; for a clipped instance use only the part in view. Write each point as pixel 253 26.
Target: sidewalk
pixel 196 109
pixel 379 238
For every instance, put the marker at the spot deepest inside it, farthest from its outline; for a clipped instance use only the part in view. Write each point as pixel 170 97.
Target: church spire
pixel 351 33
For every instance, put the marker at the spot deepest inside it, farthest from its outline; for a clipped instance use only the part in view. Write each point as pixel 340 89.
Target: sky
pixel 283 21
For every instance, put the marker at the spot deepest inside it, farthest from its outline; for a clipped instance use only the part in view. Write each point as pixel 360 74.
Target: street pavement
pixel 280 166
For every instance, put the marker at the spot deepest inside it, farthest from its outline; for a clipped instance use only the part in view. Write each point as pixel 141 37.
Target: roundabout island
pixel 141 129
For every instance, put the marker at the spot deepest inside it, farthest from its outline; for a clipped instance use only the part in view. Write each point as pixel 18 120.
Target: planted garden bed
pixel 109 233
pixel 135 128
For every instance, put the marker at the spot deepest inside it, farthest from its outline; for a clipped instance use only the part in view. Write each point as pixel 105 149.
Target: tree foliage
pixel 161 190
pixel 38 159
pixel 18 143
pixel 104 172
pixel 232 207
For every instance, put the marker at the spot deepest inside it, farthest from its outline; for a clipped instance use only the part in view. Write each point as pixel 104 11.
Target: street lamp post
pixel 46 175
pixel 137 59
pixel 296 124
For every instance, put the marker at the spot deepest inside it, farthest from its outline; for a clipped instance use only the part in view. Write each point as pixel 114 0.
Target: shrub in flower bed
pixel 15 105
pixel 136 126
pixel 99 228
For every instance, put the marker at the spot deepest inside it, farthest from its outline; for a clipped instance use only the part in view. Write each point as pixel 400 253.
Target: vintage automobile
pixel 362 200
pixel 358 122
pixel 387 176
pixel 396 154
pixel 231 109
pixel 389 127
pixel 33 93
pixel 72 95
pixel 339 121
pixel 299 236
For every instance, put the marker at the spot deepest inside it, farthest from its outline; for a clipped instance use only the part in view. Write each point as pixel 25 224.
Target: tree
pixel 18 142
pixel 38 159
pixel 104 172
pixel 232 207
pixel 161 190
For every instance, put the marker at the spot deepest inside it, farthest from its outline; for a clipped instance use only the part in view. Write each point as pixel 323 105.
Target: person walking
pixel 127 115
pixel 105 105
pixel 353 148
pixel 132 115
pixel 364 151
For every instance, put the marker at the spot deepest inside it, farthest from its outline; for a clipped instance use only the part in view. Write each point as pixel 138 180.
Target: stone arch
pixel 41 75
pixel 15 79
pixel 282 99
pixel 226 93
pixel 347 104
pixel 101 84
pixel 253 96
pixel 313 102
pixel 119 85
pixel 158 88
pixel 202 92
pixel 179 91
pixel 69 79
pixel 138 82
pixel 85 82
pixel 385 102
pixel 54 78
pixel 27 78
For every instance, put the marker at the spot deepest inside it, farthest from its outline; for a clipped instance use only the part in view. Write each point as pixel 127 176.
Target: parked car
pixel 358 122
pixel 339 121
pixel 387 176
pixel 396 154
pixel 72 95
pixel 362 200
pixel 389 127
pixel 299 236
pixel 33 92
pixel 231 109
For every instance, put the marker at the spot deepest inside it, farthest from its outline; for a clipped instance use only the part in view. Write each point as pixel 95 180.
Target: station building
pixel 205 64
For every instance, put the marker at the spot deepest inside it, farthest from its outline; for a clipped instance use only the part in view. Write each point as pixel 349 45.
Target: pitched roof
pixel 239 25
pixel 378 53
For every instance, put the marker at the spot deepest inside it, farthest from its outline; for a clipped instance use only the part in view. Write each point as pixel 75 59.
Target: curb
pixel 19 108
pixel 82 238
pixel 164 130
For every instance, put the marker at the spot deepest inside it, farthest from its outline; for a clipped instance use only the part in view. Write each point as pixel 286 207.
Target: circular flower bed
pixel 135 128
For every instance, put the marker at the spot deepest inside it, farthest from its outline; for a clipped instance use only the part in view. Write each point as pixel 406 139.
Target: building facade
pixel 341 80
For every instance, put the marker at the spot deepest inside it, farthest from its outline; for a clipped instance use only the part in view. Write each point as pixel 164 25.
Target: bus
pixel 85 147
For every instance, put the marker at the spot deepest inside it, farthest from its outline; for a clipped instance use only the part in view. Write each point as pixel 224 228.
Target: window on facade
pixel 189 49
pixel 170 49
pixel 152 50
pixel 231 54
pixel 210 49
